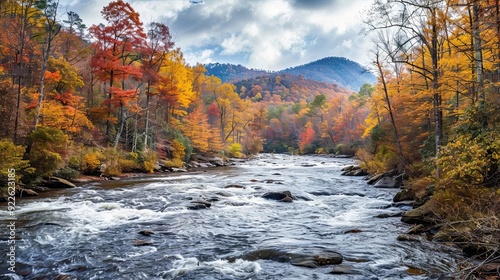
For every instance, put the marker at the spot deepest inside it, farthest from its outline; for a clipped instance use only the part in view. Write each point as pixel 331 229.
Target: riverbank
pixel 467 219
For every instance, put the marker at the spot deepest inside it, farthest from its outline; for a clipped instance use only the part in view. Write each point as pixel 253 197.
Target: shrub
pixel 235 150
pixel 91 162
pixel 49 146
pixel 12 158
pixel 149 159
pixel 68 173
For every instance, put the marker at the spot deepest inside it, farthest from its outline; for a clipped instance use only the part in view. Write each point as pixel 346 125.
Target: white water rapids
pixel 93 231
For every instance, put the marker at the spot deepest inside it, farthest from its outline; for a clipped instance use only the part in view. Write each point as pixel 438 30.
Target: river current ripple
pixel 92 232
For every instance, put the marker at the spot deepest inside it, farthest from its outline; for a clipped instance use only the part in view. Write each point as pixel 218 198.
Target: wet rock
pixel 307 165
pixel 344 269
pixel 458 233
pixel 353 231
pixel 114 178
pixel 272 181
pixel 234 186
pixel 373 179
pixel 199 204
pixel 354 171
pixel 146 232
pixel 429 191
pixel 418 229
pixel 387 183
pixel 56 182
pixel 350 168
pixel 224 194
pixel 318 260
pixel 25 192
pixel 406 194
pixel 287 199
pixel 305 263
pixel 389 215
pixel 409 237
pixel 278 195
pixel 420 215
pixel 179 169
pixel 140 243
pixel 276 174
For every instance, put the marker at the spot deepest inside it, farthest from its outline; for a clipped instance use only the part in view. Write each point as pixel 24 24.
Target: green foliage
pixel 148 159
pixel 235 150
pixel 384 160
pixel 472 157
pixel 91 162
pixel 49 146
pixel 12 159
pixel 68 173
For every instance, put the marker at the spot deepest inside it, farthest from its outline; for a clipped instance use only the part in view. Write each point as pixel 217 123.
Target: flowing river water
pixel 93 231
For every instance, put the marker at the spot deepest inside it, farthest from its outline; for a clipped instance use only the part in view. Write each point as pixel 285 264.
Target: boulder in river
pixel 344 269
pixel 387 183
pixel 354 171
pixel 420 215
pixel 297 259
pixel 403 195
pixel 285 196
pixel 199 204
pixel 234 186
pixel 56 182
pixel 318 260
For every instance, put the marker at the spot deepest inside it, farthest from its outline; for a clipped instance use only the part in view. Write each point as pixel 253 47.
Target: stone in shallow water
pixel 387 183
pixel 344 269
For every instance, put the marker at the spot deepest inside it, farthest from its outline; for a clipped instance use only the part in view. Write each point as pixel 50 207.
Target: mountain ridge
pixel 333 70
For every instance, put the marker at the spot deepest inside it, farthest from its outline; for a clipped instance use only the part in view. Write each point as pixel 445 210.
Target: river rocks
pixel 404 195
pixel 234 186
pixel 140 243
pixel 418 229
pixel 56 182
pixel 317 260
pixel 387 183
pixel 284 196
pixel 420 215
pixel 390 215
pixel 297 259
pixel 457 233
pixel 344 269
pixel 373 179
pixel 146 232
pixel 409 237
pixel 215 161
pixel 352 170
pixel 199 204
pixel 20 192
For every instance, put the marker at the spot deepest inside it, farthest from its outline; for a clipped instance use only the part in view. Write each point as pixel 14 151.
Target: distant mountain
pixel 232 73
pixel 333 70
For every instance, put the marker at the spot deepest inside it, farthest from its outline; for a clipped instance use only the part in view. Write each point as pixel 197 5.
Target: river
pixel 94 231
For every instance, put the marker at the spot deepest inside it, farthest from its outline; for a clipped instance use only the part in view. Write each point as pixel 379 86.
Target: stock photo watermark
pixel 11 220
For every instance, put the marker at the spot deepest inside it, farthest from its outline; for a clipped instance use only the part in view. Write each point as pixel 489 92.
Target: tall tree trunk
pixel 389 108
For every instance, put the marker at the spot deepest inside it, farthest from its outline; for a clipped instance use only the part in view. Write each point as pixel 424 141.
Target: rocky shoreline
pixel 426 225
pixel 54 183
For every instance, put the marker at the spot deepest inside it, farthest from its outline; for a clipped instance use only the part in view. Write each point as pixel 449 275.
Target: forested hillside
pixel 332 70
pixel 119 97
pixel 335 70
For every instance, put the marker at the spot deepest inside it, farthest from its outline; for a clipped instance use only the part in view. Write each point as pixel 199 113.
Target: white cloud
pixel 266 34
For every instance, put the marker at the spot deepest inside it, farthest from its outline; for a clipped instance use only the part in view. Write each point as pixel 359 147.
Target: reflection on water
pixel 142 228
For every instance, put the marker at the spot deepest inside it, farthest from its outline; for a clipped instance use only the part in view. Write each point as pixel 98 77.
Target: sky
pixel 260 34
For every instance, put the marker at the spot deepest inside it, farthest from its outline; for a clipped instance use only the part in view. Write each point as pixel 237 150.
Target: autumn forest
pixel 119 97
